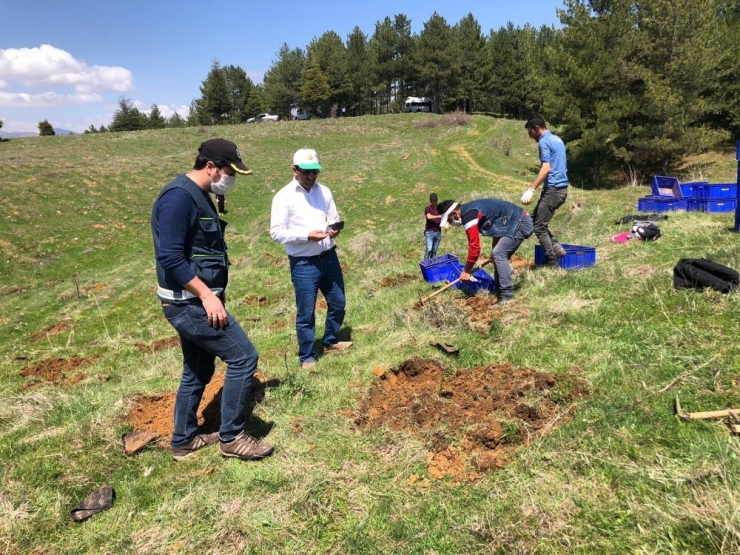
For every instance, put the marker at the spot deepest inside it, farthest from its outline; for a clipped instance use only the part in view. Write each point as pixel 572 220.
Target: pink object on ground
pixel 621 237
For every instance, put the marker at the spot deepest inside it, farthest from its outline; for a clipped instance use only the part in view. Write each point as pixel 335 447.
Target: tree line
pixel 627 83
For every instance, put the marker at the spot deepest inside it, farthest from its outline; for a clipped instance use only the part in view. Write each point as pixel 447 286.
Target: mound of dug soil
pixel 475 417
pixel 154 413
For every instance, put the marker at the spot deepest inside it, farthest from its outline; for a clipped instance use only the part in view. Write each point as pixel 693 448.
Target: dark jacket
pixel 206 254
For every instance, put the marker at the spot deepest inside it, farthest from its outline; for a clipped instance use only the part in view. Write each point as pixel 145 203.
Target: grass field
pixel 615 472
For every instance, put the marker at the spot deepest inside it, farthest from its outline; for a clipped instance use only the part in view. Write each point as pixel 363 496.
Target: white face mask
pixel 223 186
pixel 457 222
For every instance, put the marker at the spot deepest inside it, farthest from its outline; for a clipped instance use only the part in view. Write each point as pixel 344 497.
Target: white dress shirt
pixel 296 212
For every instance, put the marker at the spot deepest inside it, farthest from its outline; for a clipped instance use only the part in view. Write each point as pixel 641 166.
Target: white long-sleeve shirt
pixel 296 212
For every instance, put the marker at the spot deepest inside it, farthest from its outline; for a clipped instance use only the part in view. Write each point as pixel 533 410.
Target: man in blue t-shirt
pixel 554 174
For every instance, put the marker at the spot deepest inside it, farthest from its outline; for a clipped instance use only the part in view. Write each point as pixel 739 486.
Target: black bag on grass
pixel 699 273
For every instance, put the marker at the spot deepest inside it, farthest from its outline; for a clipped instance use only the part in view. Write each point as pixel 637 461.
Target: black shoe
pixel 551 262
pixel 559 251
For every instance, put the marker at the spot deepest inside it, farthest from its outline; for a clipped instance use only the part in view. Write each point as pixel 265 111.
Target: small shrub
pixel 428 123
pixel 456 118
pixel 503 144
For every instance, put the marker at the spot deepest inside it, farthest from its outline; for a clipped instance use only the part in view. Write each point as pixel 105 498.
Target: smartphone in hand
pixel 337 226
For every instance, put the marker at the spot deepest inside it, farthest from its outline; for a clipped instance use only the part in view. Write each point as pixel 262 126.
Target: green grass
pixel 623 476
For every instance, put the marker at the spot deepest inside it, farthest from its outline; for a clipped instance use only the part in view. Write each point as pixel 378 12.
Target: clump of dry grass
pixel 451 119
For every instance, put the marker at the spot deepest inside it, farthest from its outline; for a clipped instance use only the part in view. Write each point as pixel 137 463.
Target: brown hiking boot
pixel 338 346
pixel 198 442
pixel 246 448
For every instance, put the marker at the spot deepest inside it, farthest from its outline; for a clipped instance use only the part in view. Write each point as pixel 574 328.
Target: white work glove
pixel 527 196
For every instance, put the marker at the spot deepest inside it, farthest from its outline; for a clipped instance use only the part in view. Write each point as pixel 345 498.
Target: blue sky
pixel 70 61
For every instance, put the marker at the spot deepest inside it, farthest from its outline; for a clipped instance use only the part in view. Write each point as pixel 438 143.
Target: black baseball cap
pixel 225 152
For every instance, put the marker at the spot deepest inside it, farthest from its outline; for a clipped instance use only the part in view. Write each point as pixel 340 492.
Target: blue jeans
pixel 201 344
pixel 432 238
pixel 311 274
pixel 502 251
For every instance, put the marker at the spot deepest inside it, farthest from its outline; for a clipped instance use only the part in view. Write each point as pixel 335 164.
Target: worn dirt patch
pixel 154 413
pixel 254 300
pixel 517 262
pixel 57 371
pixel 481 309
pixel 395 281
pixel 158 345
pixel 54 329
pixel 474 420
pixel 10 290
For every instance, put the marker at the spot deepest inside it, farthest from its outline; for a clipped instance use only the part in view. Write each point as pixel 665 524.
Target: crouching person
pixel 506 223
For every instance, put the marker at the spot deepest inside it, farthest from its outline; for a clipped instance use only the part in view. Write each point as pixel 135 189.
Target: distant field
pixel 551 431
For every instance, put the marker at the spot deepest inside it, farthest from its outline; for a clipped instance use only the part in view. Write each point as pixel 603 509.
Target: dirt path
pixel 462 152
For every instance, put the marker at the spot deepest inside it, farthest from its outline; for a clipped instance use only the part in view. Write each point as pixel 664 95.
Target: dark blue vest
pixel 501 218
pixel 207 255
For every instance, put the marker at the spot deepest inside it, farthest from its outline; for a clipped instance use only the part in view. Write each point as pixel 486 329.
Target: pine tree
pixel 45 129
pixel 329 56
pixel 316 91
pixel 382 50
pixel 471 43
pixel 176 120
pixel 215 101
pixel 439 60
pixel 127 117
pixel 284 80
pixel 156 120
pixel 240 89
pixel 357 70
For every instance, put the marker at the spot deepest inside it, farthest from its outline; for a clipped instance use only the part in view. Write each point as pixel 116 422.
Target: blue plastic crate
pixel 694 205
pixel 712 191
pixel 577 257
pixel 437 269
pixel 724 205
pixel 660 204
pixel 689 190
pixel 484 280
pixel 664 186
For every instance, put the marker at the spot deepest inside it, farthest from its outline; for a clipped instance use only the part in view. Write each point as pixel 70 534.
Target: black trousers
pixel 551 199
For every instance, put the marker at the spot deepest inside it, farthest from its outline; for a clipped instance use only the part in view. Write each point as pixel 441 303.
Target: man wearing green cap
pixel 305 220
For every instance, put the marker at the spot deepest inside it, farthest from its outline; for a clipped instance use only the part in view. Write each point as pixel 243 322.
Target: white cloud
pixel 167 110
pixel 47 66
pixel 25 100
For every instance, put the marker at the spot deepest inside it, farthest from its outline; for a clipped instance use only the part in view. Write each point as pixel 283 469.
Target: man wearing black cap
pixel 432 230
pixel 192 273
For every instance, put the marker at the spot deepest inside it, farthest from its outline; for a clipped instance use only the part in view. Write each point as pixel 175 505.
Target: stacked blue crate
pixel 666 195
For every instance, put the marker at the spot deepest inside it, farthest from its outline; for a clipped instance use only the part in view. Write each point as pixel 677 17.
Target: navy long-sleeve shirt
pixel 178 218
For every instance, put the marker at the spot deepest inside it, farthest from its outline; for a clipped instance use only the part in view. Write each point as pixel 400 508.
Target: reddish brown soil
pixel 64 325
pixel 154 413
pixel 254 300
pixel 57 370
pixel 481 309
pixel 400 279
pixel 321 305
pixel 473 420
pixel 158 345
pixel 517 262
